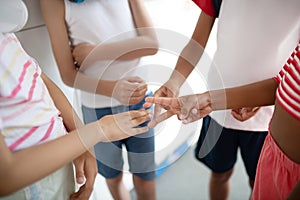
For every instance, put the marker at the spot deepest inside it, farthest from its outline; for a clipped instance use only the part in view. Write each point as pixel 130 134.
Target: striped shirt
pixel 288 92
pixel 28 115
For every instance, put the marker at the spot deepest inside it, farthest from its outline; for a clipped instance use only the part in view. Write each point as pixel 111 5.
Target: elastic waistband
pixel 280 156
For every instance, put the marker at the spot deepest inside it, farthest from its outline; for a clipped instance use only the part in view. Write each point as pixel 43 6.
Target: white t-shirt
pixel 254 40
pixel 102 21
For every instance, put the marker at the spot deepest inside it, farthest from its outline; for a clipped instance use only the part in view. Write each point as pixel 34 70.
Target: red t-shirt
pixel 210 7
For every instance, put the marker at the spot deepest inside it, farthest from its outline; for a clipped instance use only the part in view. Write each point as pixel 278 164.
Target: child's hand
pixel 243 114
pixel 169 89
pixel 130 90
pixel 86 171
pixel 81 51
pixel 123 125
pixel 188 108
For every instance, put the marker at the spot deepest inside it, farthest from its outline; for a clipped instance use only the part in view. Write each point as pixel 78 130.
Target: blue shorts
pixel 223 154
pixel 140 148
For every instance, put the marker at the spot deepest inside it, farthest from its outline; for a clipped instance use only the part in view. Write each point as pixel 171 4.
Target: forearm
pixel 257 94
pixel 39 161
pixel 186 62
pixel 142 19
pixel 193 51
pixel 128 49
pixel 70 117
pixel 144 44
pixel 77 79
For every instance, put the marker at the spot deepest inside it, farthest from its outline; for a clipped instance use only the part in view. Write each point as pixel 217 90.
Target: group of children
pixel 253 43
pixel 41 133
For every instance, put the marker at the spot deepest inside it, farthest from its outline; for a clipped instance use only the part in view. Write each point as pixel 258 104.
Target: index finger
pixel 164 101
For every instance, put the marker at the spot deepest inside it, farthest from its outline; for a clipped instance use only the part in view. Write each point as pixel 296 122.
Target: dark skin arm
pixel 193 107
pixel 187 61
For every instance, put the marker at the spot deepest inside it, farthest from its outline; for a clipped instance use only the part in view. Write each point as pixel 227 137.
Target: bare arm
pixel 193 51
pixel 193 107
pixel 53 12
pixel 186 62
pixel 85 164
pixel 144 44
pixel 69 115
pixel 39 161
pixel 256 94
pixel 50 156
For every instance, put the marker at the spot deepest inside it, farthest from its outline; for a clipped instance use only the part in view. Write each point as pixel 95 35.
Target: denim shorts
pixel 224 144
pixel 140 148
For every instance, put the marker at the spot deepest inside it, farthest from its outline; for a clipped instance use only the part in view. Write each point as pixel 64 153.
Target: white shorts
pixel 58 185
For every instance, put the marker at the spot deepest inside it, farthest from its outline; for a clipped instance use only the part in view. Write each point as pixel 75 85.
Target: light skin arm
pixel 125 90
pixel 144 44
pixel 193 107
pixel 85 164
pixel 50 156
pixel 53 12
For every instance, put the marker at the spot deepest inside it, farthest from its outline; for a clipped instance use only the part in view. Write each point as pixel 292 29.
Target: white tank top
pixel 254 39
pixel 100 21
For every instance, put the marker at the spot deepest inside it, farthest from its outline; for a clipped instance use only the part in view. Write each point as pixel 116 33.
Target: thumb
pixel 79 167
pixel 184 113
pixel 135 79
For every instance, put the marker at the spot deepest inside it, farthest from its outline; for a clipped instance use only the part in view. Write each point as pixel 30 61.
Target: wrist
pixel 174 86
pixel 217 99
pixel 176 80
pixel 90 134
pixel 106 88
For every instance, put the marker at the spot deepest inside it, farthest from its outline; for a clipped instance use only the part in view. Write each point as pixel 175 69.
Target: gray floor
pixel 187 179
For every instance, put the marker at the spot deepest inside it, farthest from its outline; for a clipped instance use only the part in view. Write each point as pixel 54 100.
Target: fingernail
pixel 194 111
pixel 80 180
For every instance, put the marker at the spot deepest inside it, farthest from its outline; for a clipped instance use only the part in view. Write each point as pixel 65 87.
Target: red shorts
pixel 276 174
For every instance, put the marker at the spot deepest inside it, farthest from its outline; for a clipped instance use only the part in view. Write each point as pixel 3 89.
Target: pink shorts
pixel 276 174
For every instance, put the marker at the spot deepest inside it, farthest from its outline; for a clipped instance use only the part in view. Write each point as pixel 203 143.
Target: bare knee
pixel 115 181
pixel 221 177
pixel 144 189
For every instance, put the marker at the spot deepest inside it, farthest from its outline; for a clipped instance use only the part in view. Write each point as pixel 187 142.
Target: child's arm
pixel 125 90
pixel 53 12
pixel 144 44
pixel 261 93
pixel 85 164
pixel 193 107
pixel 187 61
pixel 192 52
pixel 39 161
pixel 69 115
